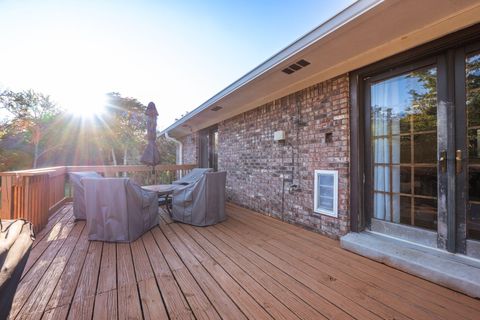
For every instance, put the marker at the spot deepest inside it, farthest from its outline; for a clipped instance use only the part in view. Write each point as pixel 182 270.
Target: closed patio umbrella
pixel 151 156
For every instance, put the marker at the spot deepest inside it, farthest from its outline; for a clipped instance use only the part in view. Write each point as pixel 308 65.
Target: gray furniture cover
pixel 192 176
pixel 78 192
pixel 201 203
pixel 16 240
pixel 118 210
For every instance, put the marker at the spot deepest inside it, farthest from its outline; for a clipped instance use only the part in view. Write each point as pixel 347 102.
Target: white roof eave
pixel 326 28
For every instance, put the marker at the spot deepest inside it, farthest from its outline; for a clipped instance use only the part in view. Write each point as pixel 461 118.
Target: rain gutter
pixel 179 147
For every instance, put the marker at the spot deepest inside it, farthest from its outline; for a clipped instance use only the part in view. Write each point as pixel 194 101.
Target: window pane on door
pixel 422 154
pixel 473 144
pixel 425 213
pixel 404 145
pixel 426 181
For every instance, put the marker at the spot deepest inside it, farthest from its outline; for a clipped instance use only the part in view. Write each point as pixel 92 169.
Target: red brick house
pixel 368 125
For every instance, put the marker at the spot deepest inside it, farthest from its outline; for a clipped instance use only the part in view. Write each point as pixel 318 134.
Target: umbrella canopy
pixel 151 156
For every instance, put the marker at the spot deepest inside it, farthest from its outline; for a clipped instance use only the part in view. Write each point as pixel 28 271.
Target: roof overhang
pixel 365 32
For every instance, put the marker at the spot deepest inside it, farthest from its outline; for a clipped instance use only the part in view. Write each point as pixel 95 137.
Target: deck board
pixel 376 299
pixel 220 251
pixel 197 299
pixel 39 298
pixel 84 299
pixel 173 297
pixel 316 301
pixel 129 301
pixel 226 267
pixel 222 289
pixel 105 306
pixel 337 298
pixel 67 285
pixel 306 238
pixel 249 266
pixel 37 270
pixel 340 262
pixel 150 296
pixel 43 242
pixel 349 282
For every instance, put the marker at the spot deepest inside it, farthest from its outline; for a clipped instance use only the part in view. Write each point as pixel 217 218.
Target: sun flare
pixel 87 106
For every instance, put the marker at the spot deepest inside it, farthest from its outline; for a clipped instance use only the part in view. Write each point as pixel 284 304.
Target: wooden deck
pixel 249 266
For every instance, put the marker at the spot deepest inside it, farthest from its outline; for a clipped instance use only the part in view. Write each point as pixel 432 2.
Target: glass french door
pixel 403 146
pixel 473 144
pixel 422 142
pixel 468 143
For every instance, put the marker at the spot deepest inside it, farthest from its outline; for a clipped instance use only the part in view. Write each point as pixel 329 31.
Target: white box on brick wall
pixel 325 198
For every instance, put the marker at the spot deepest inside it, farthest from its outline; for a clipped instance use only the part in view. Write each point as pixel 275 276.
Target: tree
pixel 473 89
pixel 167 149
pixel 30 114
pixel 125 118
pixel 14 153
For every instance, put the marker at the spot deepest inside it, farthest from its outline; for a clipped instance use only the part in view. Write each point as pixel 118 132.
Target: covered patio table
pixel 163 190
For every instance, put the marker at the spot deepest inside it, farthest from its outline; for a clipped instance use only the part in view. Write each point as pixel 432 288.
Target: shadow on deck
pixel 249 266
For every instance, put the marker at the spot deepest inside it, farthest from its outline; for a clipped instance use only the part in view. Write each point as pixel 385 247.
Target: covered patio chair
pixel 78 192
pixel 192 176
pixel 16 240
pixel 201 203
pixel 118 210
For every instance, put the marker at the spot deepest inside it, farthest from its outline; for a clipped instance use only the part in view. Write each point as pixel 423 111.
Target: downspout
pixel 179 148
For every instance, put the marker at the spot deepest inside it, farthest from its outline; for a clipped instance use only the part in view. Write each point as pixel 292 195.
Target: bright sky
pixel 175 53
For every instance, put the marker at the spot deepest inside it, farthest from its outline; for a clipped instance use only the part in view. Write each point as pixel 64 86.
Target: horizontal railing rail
pixel 35 194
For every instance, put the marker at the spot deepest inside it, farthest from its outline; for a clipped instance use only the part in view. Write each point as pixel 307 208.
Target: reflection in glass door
pixel 473 144
pixel 403 122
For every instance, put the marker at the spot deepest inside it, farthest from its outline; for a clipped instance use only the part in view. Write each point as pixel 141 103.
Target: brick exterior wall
pixel 316 123
pixel 190 148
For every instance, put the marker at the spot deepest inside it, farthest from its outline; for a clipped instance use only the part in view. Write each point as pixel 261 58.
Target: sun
pixel 87 106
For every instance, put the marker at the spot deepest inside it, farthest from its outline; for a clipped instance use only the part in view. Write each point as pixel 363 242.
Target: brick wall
pixel 260 170
pixel 190 148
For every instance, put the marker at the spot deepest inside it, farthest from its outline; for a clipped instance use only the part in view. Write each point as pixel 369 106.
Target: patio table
pixel 164 190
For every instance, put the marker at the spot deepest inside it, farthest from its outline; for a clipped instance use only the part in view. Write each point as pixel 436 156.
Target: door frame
pixel 207 158
pixel 444 48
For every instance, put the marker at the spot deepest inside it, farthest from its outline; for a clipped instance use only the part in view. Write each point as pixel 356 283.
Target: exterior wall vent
pixel 216 108
pixel 303 62
pixel 325 198
pixel 296 66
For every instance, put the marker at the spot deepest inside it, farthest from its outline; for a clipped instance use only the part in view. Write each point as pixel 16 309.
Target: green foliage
pixel 473 89
pixel 14 159
pixel 423 109
pixel 473 112
pixel 167 149
pixel 30 114
pixel 126 122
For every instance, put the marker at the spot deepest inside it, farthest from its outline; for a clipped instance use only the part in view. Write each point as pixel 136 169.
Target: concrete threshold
pixel 454 271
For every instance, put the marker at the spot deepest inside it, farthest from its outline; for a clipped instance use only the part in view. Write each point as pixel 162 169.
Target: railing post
pixel 6 209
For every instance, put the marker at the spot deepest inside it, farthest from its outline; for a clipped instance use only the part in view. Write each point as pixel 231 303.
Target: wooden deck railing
pixel 35 194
